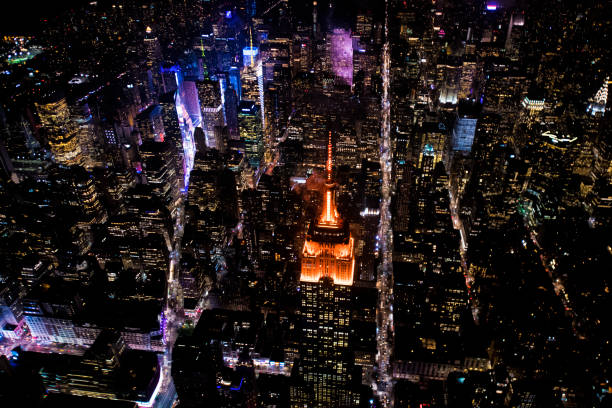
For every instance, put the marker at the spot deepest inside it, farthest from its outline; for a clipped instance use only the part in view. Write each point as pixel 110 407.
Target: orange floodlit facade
pixel 328 248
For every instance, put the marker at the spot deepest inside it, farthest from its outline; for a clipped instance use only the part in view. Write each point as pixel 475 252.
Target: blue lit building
pixel 234 80
pixel 251 8
pixel 464 129
pixel 249 55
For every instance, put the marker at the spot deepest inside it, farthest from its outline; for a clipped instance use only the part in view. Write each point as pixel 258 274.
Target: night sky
pixel 21 17
pixel 24 16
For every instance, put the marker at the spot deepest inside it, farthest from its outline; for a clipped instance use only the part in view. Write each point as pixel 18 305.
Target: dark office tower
pixel 199 138
pixel 170 117
pixel 195 364
pixel 278 103
pixel 147 86
pixel 324 373
pixel 301 52
pixel 515 32
pixel 152 83
pixel 371 184
pixel 168 78
pixel 249 124
pixel 161 171
pixel 209 93
pixel 153 50
pixel 363 25
pixel 89 199
pixel 237 386
pixel 231 111
pixel 150 123
pixel 145 209
pixel 107 370
pixel 61 130
pixel 173 130
pixel 20 153
pixel 203 190
pixel 368 131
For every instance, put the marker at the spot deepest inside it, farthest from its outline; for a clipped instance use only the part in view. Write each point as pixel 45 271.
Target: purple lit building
pixel 342 55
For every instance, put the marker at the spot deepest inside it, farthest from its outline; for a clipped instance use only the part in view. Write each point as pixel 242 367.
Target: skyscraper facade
pixel 62 132
pixel 209 93
pixel 153 49
pixel 234 79
pixel 327 269
pixel 464 129
pixel 249 123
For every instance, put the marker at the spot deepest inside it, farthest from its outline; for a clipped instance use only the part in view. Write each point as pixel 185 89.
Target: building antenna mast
pixel 251 38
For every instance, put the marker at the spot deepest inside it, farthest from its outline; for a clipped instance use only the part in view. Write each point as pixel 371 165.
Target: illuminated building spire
pixel 328 248
pixel 598 103
pixel 329 214
pixel 327 273
pixel 251 39
pixel 204 66
pixel 601 97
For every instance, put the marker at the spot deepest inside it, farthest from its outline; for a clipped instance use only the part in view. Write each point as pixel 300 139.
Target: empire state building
pixel 325 370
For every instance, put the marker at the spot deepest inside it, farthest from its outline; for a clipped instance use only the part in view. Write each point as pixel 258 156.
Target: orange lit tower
pixel 325 370
pixel 328 249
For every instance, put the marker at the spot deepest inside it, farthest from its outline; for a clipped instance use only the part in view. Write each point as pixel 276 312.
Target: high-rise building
pixel 342 55
pixel 154 61
pixel 81 114
pixel 250 131
pixel 107 370
pixel 253 80
pixel 234 79
pixel 209 93
pixel 62 131
pixel 172 130
pixel 325 372
pixel 161 171
pixel 150 123
pixel 464 129
pixel 231 110
pixel 363 25
pixel 301 53
pixel 189 116
pixel 598 103
pixel 278 109
pixel 250 55
pixel 153 49
pixel 88 197
pixel 513 37
pixel 371 177
pixel 466 80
